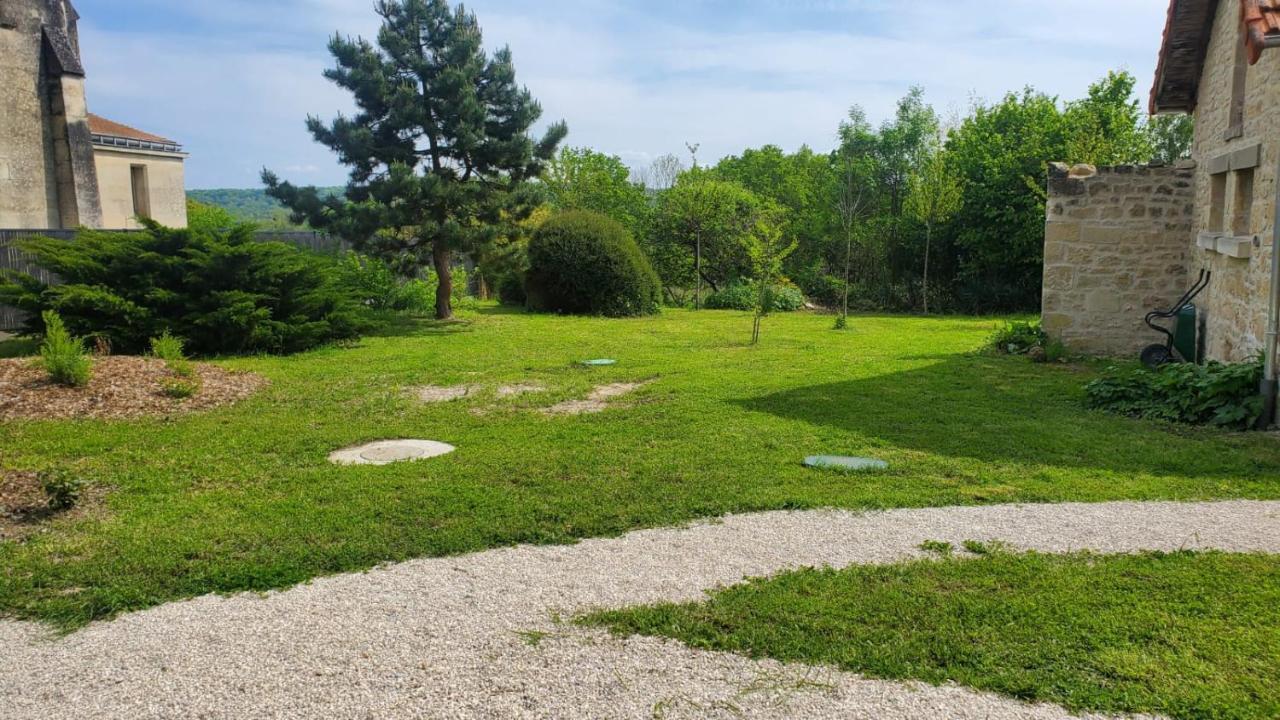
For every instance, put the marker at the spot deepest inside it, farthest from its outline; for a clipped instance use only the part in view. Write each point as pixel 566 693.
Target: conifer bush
pixel 62 356
pixel 223 291
pixel 587 264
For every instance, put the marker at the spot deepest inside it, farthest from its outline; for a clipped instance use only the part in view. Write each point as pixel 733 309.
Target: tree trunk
pixel 928 240
pixel 440 257
pixel 697 271
pixel 848 263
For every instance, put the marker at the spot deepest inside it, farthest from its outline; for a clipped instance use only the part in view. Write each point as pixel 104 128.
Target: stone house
pixel 1122 241
pixel 60 166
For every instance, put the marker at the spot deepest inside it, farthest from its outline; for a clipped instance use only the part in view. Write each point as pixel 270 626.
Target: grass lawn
pixel 1186 635
pixel 243 498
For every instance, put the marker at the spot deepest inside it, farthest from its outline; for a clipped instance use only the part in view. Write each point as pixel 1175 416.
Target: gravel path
pixel 461 637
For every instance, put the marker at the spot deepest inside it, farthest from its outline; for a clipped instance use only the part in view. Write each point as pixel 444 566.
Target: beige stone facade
pixel 1115 247
pixel 1235 190
pixel 160 194
pixel 1095 292
pixel 140 175
pixel 60 166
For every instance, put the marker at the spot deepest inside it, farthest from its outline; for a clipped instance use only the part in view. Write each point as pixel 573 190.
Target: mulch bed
pixel 23 504
pixel 121 388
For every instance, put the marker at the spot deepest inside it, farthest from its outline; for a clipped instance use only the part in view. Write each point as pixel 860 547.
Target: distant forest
pixel 251 205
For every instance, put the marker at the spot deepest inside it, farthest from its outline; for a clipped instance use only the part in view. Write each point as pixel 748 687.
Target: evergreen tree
pixel 439 149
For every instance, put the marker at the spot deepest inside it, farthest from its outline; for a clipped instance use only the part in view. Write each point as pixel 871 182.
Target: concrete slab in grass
pixel 849 464
pixel 386 452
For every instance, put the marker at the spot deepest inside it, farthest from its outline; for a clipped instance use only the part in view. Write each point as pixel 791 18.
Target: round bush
pixel 741 296
pixel 587 264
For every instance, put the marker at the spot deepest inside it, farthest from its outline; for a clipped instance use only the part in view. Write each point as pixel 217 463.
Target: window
pixel 1218 202
pixel 1239 85
pixel 141 192
pixel 1242 205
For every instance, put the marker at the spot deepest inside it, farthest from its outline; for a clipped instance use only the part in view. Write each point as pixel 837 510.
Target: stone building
pixel 139 175
pixel 60 166
pixel 1122 241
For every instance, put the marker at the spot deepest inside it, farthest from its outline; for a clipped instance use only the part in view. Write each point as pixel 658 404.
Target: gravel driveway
pixel 463 637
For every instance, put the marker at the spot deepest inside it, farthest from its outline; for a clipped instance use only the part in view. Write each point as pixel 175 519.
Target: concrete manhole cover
pixel 836 462
pixel 385 452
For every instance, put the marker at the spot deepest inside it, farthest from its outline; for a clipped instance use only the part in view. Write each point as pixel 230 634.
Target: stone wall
pixel 1117 242
pixel 1235 305
pixel 47 179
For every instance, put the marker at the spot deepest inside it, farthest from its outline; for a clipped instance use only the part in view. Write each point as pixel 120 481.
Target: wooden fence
pixel 12 258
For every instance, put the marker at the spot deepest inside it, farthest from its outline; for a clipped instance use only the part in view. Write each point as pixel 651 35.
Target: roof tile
pixel 1262 19
pixel 99 125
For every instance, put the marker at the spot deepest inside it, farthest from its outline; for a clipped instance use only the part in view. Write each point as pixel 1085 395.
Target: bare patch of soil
pixel 121 388
pixel 436 394
pixel 25 510
pixel 596 402
pixel 510 391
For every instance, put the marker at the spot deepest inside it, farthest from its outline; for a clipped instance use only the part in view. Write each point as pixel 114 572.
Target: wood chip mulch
pixel 121 388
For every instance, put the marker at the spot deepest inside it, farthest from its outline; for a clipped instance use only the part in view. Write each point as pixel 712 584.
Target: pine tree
pixel 439 150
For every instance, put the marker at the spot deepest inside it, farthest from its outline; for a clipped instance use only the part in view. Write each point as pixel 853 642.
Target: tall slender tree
pixel 439 150
pixel 934 195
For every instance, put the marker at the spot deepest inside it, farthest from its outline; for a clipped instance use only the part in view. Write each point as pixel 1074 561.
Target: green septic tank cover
pixel 598 363
pixel 836 462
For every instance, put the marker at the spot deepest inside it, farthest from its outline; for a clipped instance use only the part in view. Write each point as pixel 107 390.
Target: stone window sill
pixel 1237 247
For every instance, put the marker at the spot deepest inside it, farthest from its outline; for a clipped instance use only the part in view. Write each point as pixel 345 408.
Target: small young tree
pixel 768 249
pixel 934 196
pixel 439 150
pixel 850 200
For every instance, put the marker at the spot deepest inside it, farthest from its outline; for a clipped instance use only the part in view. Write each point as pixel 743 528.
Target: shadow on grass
pixel 17 347
pixel 1007 410
pixel 502 310
pixel 393 325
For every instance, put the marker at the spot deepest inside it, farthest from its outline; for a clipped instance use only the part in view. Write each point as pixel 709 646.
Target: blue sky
pixel 234 79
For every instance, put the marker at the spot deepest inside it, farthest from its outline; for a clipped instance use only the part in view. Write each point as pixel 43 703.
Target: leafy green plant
pixel 1019 337
pixel 1219 394
pixel 169 349
pixel 62 356
pixel 370 279
pixel 223 291
pixel 63 488
pixel 741 296
pixel 585 263
pixel 179 388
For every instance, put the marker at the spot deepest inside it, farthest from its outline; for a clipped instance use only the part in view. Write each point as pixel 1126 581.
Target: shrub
pixel 222 291
pixel 511 289
pixel 63 488
pixel 742 296
pixel 370 280
pixel 1225 395
pixel 169 349
pixel 62 356
pixel 415 297
pixel 584 263
pixel 179 388
pixel 1018 338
